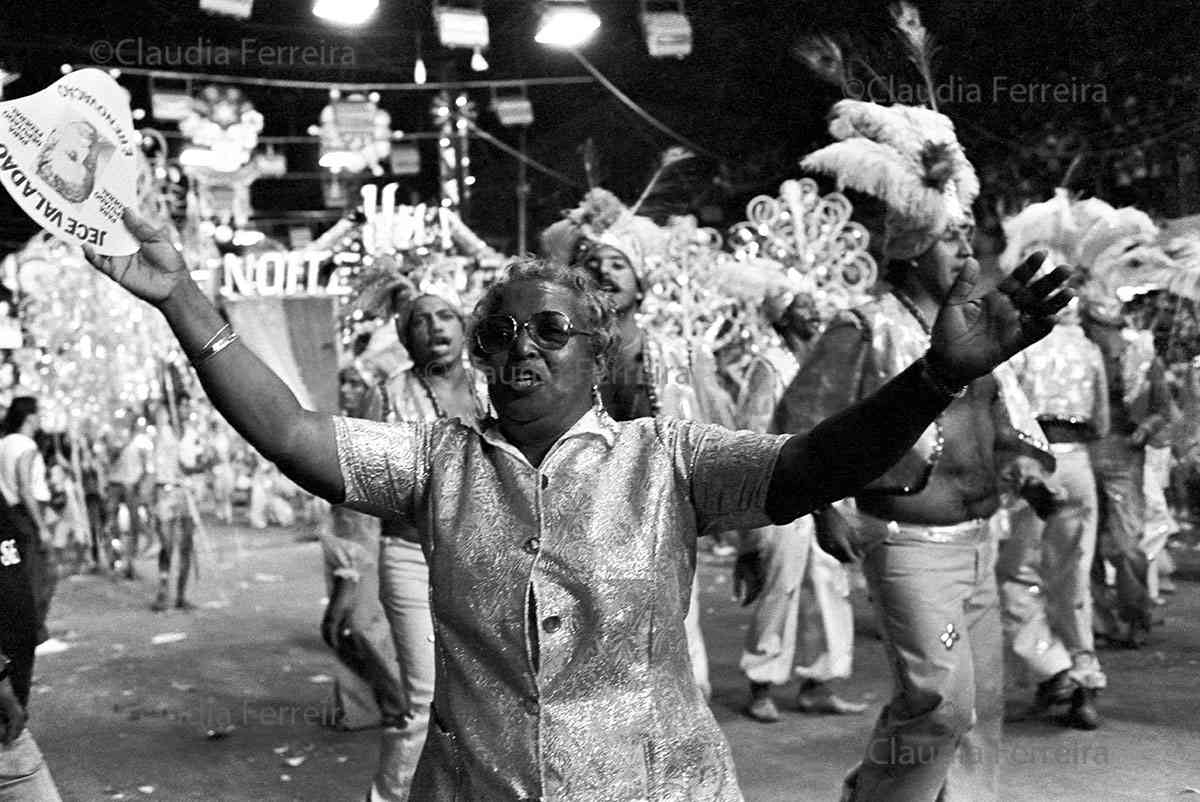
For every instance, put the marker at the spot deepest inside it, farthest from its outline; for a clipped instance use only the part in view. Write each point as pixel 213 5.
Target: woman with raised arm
pixel 561 544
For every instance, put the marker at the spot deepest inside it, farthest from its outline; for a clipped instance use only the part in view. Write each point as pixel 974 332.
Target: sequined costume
pixel 1044 566
pixel 933 586
pixel 558 597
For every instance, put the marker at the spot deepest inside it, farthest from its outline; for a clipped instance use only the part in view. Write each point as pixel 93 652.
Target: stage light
pixel 566 23
pixel 478 62
pixel 461 27
pixel 668 32
pixel 513 110
pixel 232 8
pixel 345 12
pixel 419 74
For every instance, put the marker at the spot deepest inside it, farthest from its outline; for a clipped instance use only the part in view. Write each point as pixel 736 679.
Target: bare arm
pixel 25 468
pixel 243 389
pixel 1101 415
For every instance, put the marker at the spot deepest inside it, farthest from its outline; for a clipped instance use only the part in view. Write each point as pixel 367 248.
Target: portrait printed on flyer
pixel 68 157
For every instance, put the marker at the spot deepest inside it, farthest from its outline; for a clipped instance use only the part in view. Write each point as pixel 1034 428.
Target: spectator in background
pixel 173 516
pixel 128 482
pixel 26 492
pixel 23 773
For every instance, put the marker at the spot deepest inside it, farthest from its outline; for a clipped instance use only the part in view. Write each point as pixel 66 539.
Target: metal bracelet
pixel 214 348
pixel 215 337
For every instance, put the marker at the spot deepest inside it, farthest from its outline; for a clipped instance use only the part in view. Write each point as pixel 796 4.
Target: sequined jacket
pixel 834 377
pixel 1063 378
pixel 558 596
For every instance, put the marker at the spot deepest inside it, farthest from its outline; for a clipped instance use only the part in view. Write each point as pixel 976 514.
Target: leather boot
pixel 1058 690
pixel 762 707
pixel 1083 714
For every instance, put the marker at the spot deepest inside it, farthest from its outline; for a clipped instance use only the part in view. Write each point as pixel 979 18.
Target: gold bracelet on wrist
pixel 215 346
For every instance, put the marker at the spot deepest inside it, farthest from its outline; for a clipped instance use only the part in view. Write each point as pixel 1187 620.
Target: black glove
pixel 748 577
pixel 835 535
pixel 1042 499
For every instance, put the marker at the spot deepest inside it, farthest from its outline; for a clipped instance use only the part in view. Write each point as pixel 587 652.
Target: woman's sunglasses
pixel 548 330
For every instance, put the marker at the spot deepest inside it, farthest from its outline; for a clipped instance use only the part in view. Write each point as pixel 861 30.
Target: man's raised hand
pixel 971 336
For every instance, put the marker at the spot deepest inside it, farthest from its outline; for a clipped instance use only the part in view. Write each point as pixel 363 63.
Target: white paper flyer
pixel 68 157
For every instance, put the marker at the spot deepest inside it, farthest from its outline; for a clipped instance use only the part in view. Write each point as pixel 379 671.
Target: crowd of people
pixel 522 487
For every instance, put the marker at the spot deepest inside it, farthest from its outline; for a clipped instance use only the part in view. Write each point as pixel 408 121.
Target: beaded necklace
pixel 939 444
pixel 652 368
pixel 433 399
pixel 914 310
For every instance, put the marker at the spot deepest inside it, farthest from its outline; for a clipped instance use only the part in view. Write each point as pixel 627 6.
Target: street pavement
pixel 125 711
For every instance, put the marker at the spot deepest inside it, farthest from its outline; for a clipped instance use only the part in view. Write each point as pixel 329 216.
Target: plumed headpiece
pixel 1046 226
pixel 1113 234
pixel 907 157
pixel 1119 252
pixel 601 219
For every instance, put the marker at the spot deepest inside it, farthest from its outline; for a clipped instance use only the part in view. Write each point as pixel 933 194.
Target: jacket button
pixel 552 623
pixel 532 707
pixel 533 545
pixel 545 481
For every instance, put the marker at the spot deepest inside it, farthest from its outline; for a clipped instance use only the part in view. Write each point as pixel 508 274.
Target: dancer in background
pixel 172 515
pixel 129 491
pixel 368 688
pixel 561 543
pixel 922 530
pixel 650 375
pixel 1045 565
pixel 1139 404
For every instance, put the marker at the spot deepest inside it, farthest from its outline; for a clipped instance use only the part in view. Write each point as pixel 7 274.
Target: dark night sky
pixel 740 93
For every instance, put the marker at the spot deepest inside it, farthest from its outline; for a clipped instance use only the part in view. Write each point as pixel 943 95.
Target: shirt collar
pixel 593 422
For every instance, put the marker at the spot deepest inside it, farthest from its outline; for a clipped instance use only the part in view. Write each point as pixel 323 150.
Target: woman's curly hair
pixel 599 316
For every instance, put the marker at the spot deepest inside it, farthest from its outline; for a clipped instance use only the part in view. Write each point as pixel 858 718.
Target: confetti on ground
pixel 279 750
pixel 268 578
pixel 342 758
pixel 146 789
pixel 287 778
pixel 218 733
pixel 168 637
pixel 52 646
pixel 182 686
pixel 215 605
pixel 320 679
pixel 294 761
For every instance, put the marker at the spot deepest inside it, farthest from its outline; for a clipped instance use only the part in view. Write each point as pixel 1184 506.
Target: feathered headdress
pixel 1120 255
pixel 1047 226
pixel 602 219
pixel 907 157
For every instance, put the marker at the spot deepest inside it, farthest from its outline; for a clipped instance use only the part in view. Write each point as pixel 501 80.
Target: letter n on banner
pixel 297 337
